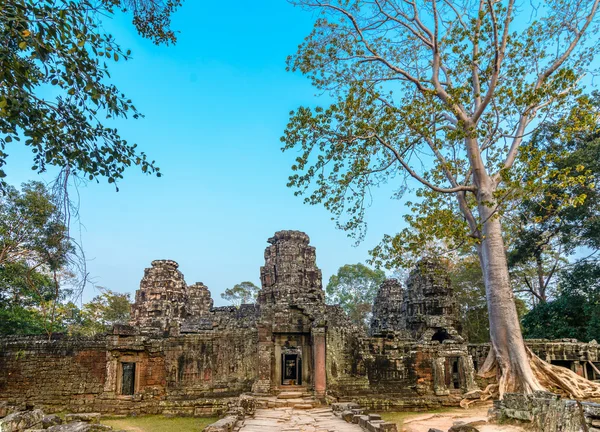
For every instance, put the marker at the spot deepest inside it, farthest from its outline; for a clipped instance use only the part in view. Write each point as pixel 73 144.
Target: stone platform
pixel 293 420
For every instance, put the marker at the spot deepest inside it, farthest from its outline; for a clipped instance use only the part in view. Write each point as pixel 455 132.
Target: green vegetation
pixel 158 423
pixel 574 313
pixel 354 288
pixel 38 260
pixel 55 83
pixel 242 293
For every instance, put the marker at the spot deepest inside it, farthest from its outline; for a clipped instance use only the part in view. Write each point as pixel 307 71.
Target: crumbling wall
pixel 547 412
pixel 55 373
pixel 346 371
pixel 192 374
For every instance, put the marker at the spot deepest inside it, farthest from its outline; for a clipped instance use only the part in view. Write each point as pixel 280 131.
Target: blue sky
pixel 215 106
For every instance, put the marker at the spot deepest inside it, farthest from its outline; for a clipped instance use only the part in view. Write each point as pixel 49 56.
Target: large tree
pixel 37 256
pixel 354 288
pixel 442 93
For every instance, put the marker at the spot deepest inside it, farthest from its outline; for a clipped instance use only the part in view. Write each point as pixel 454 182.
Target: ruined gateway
pixel 181 355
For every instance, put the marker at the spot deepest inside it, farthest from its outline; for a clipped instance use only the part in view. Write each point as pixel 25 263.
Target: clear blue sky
pixel 215 107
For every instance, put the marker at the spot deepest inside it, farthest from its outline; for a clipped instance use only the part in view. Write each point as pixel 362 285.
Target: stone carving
pixel 199 301
pixel 431 310
pixel 161 300
pixel 389 309
pixel 290 275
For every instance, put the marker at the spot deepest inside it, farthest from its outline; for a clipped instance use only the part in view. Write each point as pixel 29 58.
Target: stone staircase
pixel 293 397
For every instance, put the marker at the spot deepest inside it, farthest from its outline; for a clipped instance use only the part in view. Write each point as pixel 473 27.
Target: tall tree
pixel 575 312
pixel 242 293
pixel 37 256
pixel 354 288
pixel 443 93
pixel 54 83
pixel 101 313
pixel 544 230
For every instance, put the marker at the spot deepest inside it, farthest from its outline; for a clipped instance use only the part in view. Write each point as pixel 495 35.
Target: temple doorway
pixel 291 370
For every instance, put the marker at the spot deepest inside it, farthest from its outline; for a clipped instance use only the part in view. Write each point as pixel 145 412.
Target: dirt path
pixel 293 420
pixel 443 421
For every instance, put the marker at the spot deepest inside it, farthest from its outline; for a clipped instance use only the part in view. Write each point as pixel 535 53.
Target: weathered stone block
pixel 21 420
pixel 591 409
pixel 388 427
pixel 521 415
pixel 347 415
pixel 463 428
pixel 223 425
pixel 51 420
pixel 79 427
pixel 83 417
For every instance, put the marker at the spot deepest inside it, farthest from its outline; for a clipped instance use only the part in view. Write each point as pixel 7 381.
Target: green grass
pixel 158 423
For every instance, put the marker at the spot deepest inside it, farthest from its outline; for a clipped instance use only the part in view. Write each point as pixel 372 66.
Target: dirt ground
pixel 422 422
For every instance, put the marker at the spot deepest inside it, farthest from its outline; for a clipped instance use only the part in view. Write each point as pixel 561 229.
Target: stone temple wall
pixel 181 355
pixel 188 375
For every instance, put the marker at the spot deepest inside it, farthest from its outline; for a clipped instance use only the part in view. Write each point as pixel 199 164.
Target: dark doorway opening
pixel 564 363
pixel 441 335
pixel 453 375
pixel 128 379
pixel 591 371
pixel 291 369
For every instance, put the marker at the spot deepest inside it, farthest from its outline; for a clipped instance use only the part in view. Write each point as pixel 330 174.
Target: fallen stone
pixel 51 420
pixel 21 420
pixel 79 427
pixel 463 427
pixel 347 415
pixel 83 417
pixel 343 406
pixel 226 424
pixel 434 430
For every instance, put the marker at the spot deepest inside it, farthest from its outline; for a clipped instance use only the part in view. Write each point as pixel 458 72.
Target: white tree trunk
pixel 508 351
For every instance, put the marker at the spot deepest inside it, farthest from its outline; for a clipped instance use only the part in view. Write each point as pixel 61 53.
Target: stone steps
pixel 292 395
pixel 301 401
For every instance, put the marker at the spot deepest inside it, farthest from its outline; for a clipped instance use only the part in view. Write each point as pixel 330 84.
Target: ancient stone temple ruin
pixel 181 355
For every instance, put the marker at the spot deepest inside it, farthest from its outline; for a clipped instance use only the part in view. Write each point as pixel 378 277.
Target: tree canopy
pixel 39 264
pixel 575 312
pixel 55 92
pixel 354 288
pixel 242 293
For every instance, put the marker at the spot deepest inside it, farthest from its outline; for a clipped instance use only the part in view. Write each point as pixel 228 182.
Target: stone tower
pixel 160 303
pixel 291 321
pixel 199 301
pixel 388 309
pixel 431 310
pixel 290 275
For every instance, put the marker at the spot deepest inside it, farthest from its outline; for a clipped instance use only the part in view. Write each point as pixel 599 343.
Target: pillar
pixel 318 335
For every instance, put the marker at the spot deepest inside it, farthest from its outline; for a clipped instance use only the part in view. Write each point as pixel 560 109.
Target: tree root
pixel 563 381
pixel 555 379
